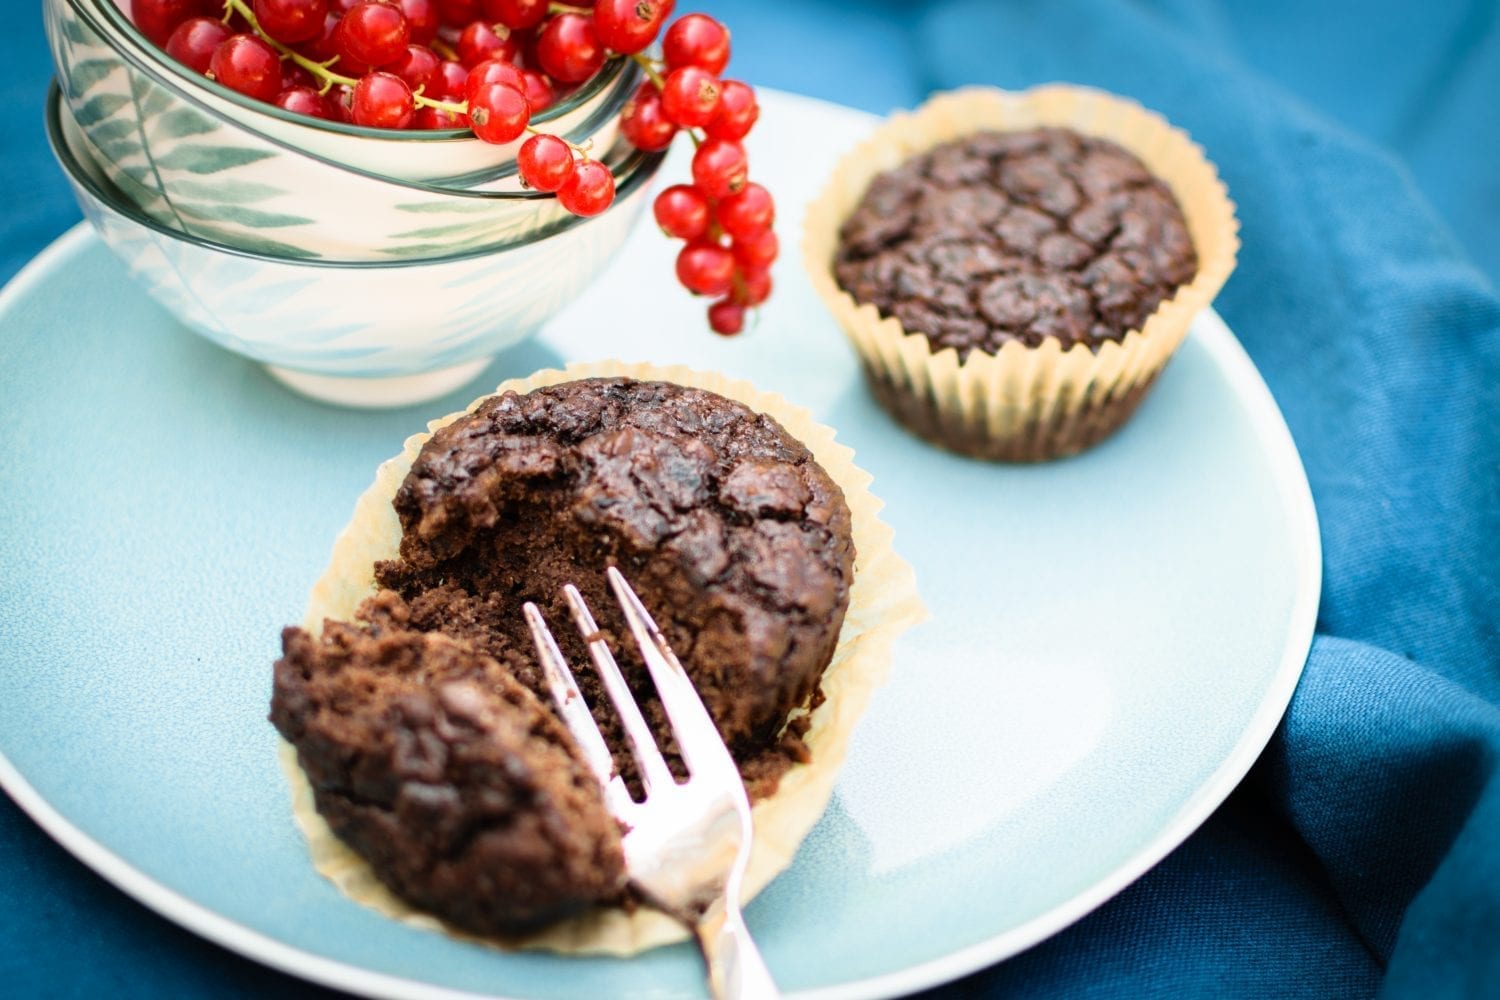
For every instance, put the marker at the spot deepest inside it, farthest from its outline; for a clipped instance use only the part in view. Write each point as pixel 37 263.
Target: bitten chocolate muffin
pixel 736 540
pixel 1016 236
pixel 425 727
pixel 456 783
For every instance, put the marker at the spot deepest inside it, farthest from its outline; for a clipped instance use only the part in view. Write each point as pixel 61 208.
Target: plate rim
pixel 1285 462
pixel 1295 491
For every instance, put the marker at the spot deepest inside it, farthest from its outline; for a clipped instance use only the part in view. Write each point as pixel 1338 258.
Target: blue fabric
pixel 1362 855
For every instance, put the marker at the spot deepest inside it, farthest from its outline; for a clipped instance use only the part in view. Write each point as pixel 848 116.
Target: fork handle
pixel 735 969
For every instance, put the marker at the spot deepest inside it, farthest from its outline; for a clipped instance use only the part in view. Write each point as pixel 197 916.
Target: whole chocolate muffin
pixel 1017 236
pixel 458 785
pixel 1017 281
pixel 736 540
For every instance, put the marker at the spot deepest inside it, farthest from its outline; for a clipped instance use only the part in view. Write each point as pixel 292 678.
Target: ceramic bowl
pixel 450 157
pixel 357 333
pixel 191 170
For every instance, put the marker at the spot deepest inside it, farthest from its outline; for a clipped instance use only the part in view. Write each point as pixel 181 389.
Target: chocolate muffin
pixel 425 727
pixel 1015 284
pixel 1017 236
pixel 459 786
pixel 736 540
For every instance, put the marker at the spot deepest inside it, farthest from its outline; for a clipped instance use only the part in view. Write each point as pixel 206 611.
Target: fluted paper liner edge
pixel 1023 391
pixel 883 603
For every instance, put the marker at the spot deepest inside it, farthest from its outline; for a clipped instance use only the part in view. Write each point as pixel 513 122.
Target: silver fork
pixel 686 844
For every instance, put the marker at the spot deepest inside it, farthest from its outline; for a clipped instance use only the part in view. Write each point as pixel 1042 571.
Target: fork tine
pixel 574 710
pixel 653 767
pixel 697 736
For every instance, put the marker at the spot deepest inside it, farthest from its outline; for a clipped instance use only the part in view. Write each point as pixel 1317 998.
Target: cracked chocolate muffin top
pixel 459 786
pixel 1017 236
pixel 735 538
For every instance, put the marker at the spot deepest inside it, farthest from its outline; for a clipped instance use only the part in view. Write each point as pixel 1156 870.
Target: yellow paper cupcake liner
pixel 883 603
pixel 1023 403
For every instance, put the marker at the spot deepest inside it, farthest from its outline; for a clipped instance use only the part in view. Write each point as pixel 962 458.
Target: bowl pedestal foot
pixel 379 393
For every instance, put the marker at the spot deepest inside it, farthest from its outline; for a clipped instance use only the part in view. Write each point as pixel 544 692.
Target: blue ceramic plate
pixel 1113 640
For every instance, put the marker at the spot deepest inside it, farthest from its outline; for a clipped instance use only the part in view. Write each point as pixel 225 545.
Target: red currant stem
pixel 653 72
pixel 582 150
pixel 443 49
pixel 452 107
pixel 563 8
pixel 459 108
pixel 322 71
pixel 317 69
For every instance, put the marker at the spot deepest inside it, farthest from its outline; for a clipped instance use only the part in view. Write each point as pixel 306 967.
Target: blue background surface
pixel 1361 142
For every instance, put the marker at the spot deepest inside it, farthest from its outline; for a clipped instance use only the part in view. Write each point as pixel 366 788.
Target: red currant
pixel 157 19
pixel 545 162
pixel 291 21
pixel 643 121
pixel 492 71
pixel 747 213
pixel 382 100
pixel 248 64
pixel 568 50
pixel 448 83
pixel 590 190
pixel 697 40
pixel 322 47
pixel 682 211
pixel 753 286
pixel 726 317
pixel 372 33
pixel 737 112
pixel 422 20
pixel 758 252
pixel 516 14
pixel 526 44
pixel 457 13
pixel 539 92
pixel 303 101
pixel 430 118
pixel 627 26
pixel 478 42
pixel 418 67
pixel 341 103
pixel 194 40
pixel 293 75
pixel 720 167
pixel 498 113
pixel 690 96
pixel 705 268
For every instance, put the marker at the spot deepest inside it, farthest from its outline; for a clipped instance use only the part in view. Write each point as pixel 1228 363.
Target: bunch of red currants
pixel 725 218
pixel 490 65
